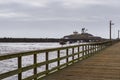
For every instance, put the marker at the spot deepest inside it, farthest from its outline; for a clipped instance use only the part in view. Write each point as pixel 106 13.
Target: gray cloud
pixel 56 18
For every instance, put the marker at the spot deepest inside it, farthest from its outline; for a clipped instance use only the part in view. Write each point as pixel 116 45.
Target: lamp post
pixel 118 33
pixel 110 28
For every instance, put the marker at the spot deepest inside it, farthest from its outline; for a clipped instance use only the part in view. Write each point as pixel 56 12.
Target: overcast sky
pixel 56 18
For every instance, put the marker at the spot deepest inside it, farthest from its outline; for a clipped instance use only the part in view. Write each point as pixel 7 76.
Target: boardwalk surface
pixel 102 66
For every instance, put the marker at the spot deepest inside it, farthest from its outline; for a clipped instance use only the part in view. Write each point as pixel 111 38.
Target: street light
pixel 110 28
pixel 118 33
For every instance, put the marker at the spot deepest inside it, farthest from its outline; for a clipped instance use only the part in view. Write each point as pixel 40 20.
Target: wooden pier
pixel 92 61
pixel 102 66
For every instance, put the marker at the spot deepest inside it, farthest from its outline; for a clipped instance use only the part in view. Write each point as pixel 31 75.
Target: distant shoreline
pixel 12 40
pixel 29 40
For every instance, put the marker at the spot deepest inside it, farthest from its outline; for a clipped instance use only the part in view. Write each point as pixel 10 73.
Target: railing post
pixel 73 55
pixel 47 65
pixel 83 52
pixel 101 46
pixel 35 69
pixel 19 67
pixel 86 55
pixel 95 48
pixel 58 56
pixel 88 50
pixel 92 47
pixel 78 53
pixel 67 56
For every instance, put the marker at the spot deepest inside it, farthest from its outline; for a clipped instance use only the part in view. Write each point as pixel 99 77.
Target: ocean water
pixel 8 48
pixel 11 64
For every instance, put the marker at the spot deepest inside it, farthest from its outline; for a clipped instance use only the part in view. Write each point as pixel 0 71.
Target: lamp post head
pixel 112 24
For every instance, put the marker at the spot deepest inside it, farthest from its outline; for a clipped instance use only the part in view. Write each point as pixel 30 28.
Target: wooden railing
pixel 70 55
